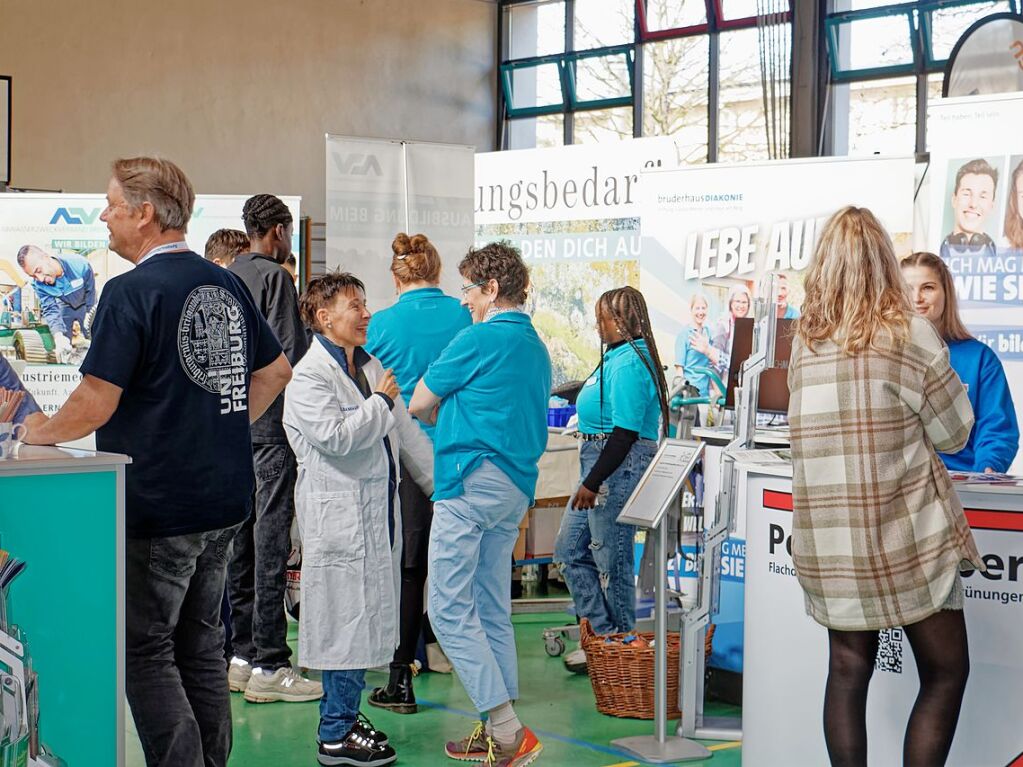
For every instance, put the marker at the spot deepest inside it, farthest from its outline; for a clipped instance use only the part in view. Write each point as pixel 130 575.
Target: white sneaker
pixel 437 660
pixel 284 684
pixel 575 661
pixel 238 674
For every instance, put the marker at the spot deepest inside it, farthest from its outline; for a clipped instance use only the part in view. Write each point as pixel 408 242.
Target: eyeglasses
pixel 467 288
pixel 119 204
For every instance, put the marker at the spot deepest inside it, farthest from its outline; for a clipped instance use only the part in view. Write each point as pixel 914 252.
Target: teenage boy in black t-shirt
pixel 181 362
pixel 261 665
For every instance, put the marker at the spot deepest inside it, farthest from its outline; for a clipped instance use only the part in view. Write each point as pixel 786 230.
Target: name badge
pixel 349 408
pixel 591 381
pixel 77 283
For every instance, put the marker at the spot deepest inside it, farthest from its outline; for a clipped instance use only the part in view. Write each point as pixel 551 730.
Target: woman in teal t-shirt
pixel 623 411
pixel 487 393
pixel 407 337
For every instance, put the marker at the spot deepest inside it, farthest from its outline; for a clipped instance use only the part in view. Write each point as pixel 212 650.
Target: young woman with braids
pixel 623 410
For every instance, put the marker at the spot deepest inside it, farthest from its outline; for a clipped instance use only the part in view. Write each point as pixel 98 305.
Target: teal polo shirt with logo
pixel 630 396
pixel 494 381
pixel 412 333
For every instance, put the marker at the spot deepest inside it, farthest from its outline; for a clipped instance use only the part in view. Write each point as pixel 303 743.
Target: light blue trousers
pixel 471 544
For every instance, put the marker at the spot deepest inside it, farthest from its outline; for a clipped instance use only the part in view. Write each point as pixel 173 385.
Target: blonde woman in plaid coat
pixel 878 532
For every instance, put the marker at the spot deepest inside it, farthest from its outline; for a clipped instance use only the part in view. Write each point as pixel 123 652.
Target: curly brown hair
pixel 499 261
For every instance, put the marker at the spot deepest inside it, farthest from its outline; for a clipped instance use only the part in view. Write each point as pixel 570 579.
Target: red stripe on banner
pixel 984 519
pixel 777 501
pixel 1017 762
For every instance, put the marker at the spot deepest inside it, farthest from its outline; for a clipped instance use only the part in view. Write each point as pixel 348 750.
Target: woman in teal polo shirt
pixel 407 337
pixel 487 394
pixel 623 408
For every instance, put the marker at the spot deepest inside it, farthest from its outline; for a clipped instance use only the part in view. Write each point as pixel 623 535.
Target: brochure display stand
pixel 647 507
pixel 708 565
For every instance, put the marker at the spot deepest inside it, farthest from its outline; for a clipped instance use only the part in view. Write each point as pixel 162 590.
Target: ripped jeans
pixel 596 555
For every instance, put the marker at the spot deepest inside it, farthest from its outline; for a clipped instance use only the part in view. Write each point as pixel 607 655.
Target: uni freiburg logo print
pixel 211 345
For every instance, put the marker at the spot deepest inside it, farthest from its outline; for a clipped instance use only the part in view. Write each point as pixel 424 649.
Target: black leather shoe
pixel 397 696
pixel 366 729
pixel 355 750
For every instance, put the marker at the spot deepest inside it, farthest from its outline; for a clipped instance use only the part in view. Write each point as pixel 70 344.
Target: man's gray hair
pixel 162 184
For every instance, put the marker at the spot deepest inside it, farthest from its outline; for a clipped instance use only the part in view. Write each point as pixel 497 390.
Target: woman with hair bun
pixel 407 337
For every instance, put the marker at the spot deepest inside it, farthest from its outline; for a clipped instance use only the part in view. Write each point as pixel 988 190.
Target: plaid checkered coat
pixel 878 531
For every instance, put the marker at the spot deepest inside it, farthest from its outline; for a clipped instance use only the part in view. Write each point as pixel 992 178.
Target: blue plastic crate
pixel 559 416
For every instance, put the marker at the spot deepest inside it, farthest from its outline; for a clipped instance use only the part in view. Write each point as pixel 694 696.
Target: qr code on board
pixel 889 651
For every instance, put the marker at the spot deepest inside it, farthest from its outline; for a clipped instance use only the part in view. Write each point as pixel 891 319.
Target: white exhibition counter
pixel 786 652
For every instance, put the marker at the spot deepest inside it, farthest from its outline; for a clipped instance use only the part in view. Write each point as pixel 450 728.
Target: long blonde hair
pixel 854 288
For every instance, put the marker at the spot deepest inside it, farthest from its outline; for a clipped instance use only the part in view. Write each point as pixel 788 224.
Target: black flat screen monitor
pixel 774 385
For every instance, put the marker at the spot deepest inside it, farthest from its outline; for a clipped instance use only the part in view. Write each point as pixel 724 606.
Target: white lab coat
pixel 350 572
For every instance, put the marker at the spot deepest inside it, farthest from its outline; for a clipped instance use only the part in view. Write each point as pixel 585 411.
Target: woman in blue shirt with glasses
pixel 487 393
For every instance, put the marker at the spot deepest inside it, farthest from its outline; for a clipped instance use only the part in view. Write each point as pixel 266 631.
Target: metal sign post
pixel 647 507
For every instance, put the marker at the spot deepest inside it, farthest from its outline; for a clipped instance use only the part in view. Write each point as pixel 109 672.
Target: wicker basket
pixel 623 677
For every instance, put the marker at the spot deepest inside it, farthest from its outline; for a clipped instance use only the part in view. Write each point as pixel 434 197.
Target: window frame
pixel 921 68
pixel 715 25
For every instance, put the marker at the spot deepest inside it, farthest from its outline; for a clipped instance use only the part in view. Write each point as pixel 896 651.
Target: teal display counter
pixel 62 513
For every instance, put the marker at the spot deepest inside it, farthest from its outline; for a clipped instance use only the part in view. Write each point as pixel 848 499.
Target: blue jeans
pixel 471 544
pixel 595 553
pixel 342 694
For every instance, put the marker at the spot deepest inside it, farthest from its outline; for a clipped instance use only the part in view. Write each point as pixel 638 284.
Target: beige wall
pixel 239 92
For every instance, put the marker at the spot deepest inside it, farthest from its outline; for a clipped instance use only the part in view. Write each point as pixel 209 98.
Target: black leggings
pixel 413 579
pixel 942 658
pixel 416 515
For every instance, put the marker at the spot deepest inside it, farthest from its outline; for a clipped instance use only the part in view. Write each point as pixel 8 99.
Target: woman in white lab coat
pixel 348 425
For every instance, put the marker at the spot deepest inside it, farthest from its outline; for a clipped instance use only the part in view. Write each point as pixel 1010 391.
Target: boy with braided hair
pixel 261 667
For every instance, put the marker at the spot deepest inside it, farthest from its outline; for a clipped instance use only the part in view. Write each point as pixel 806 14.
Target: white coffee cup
pixel 10 439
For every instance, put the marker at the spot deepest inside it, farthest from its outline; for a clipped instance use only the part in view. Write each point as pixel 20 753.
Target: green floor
pixel 557 705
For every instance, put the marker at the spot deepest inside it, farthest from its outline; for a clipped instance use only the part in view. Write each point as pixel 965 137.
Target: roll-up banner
pixel 574 212
pixel 379 187
pixel 68 227
pixel 710 233
pixel 976 221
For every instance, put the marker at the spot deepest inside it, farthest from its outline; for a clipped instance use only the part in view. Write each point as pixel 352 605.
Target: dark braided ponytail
pixel 627 309
pixel 262 213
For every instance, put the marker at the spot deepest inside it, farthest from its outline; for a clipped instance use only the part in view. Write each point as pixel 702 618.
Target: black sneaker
pixel 355 750
pixel 366 729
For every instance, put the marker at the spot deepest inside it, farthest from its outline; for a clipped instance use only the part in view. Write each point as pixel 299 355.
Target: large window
pixel 886 61
pixel 580 71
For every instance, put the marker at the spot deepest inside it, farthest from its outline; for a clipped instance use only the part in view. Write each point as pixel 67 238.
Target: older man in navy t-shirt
pixel 181 363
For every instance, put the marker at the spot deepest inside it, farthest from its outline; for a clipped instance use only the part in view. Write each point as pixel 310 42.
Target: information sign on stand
pixel 654 494
pixel 661 483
